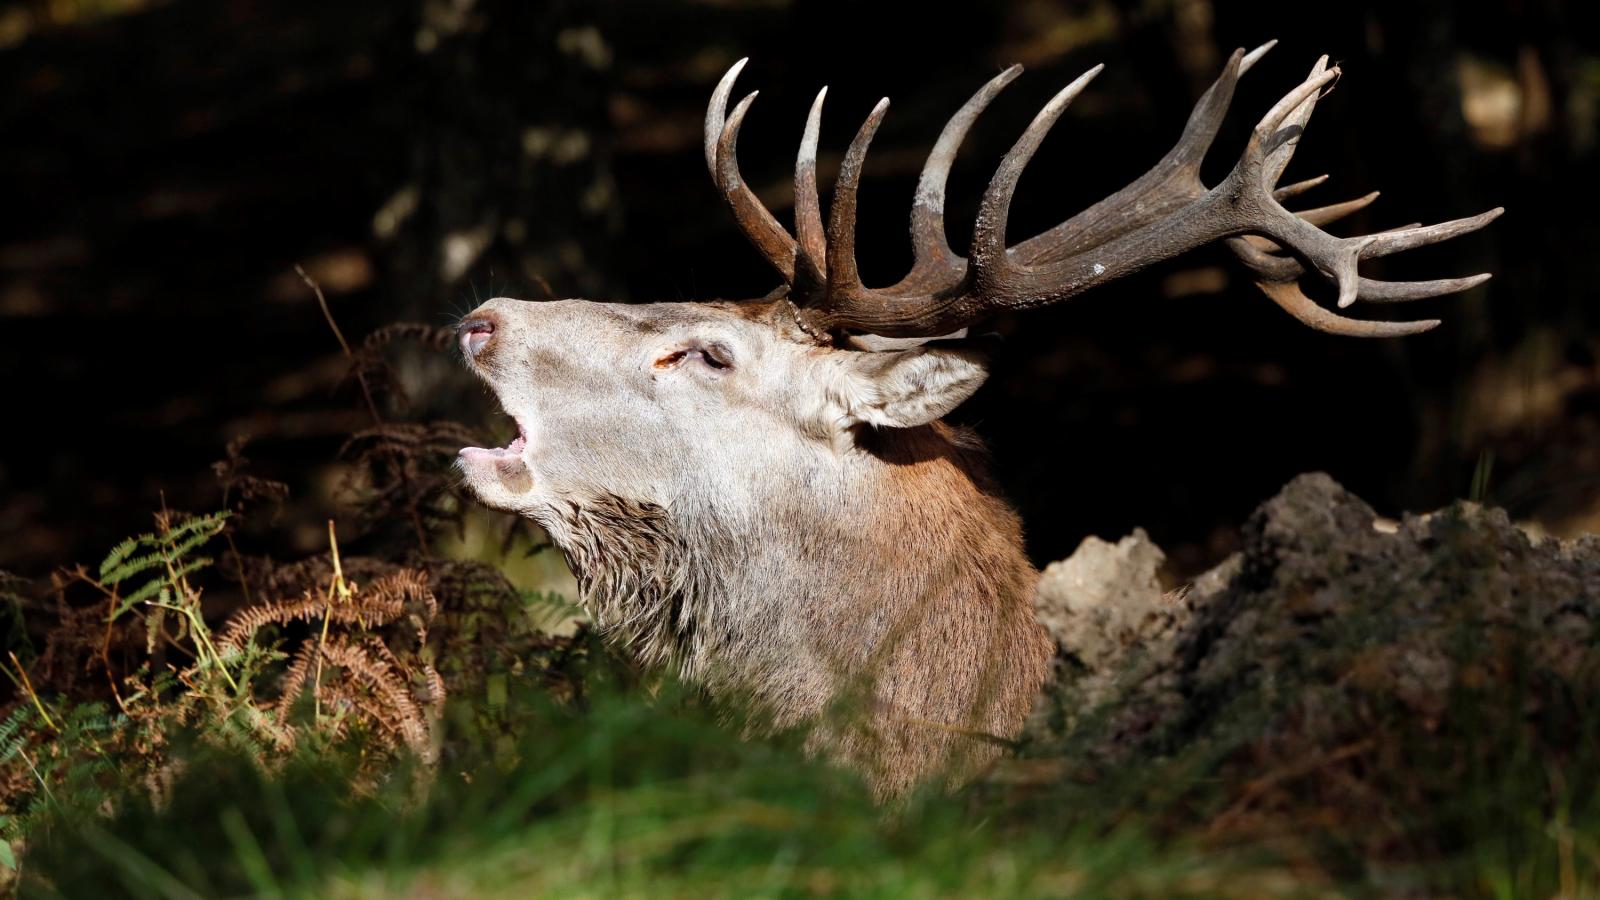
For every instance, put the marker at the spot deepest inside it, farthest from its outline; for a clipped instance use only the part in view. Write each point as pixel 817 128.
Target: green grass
pixel 643 793
pixel 627 797
pixel 640 793
pixel 1328 756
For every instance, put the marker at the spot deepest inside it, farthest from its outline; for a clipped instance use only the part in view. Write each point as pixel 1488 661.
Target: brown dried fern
pixel 386 704
pixel 403 470
pixel 371 611
pixel 376 690
pixel 294 678
pixel 371 362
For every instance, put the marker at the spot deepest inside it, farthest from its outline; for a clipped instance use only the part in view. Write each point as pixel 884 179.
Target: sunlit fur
pixel 797 528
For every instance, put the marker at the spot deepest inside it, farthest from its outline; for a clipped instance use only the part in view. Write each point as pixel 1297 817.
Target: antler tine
pixel 843 279
pixel 904 306
pixel 811 245
pixel 1333 212
pixel 1254 56
pixel 1374 291
pixel 1294 301
pixel 1164 212
pixel 934 261
pixel 717 113
pixel 1388 242
pixel 1212 107
pixel 1266 131
pixel 1334 257
pixel 753 218
pixel 1298 188
pixel 1320 215
pixel 987 259
pixel 1170 183
pixel 1278 160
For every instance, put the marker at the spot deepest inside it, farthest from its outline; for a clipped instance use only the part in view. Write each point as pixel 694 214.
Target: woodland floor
pixel 1349 705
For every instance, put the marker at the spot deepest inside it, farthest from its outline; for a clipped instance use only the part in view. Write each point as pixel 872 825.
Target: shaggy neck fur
pixel 889 610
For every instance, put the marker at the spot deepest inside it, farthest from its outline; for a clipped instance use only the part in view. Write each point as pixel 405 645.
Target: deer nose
pixel 474 334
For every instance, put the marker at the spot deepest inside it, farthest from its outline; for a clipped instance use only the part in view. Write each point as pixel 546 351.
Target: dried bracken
pixel 240 488
pixel 372 364
pixel 113 663
pixel 402 471
pixel 386 701
pixel 386 600
pixel 376 689
pixel 432 337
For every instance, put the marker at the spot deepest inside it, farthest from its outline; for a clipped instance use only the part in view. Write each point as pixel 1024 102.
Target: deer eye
pixel 715 355
pixel 710 355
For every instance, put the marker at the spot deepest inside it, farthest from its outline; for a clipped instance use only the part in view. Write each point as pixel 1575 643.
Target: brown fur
pixel 944 657
pixel 795 528
pixel 959 657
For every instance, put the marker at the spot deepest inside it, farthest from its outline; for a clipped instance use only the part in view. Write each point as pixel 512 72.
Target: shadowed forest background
pixel 166 164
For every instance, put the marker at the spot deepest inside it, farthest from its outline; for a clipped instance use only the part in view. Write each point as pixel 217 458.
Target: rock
pixel 1328 624
pixel 1103 598
pixel 1379 701
pixel 1102 605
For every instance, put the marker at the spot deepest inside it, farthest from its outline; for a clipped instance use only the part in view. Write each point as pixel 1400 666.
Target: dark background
pixel 163 166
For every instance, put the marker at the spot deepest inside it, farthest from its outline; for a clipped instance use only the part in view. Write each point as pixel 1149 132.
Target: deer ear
pixel 905 388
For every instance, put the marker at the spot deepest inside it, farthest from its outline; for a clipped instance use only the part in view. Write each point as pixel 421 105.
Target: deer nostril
pixel 474 334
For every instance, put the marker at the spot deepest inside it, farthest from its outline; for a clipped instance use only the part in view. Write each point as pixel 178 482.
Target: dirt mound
pixel 1340 668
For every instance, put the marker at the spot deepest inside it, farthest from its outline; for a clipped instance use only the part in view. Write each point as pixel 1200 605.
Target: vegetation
pixel 362 727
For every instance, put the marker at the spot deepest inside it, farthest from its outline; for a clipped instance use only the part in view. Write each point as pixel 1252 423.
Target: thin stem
pixel 337 589
pixel 42 783
pixel 366 392
pixel 196 624
pixel 27 687
pixel 327 313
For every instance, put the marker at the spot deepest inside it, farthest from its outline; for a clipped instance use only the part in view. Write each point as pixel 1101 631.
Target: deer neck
pixel 901 551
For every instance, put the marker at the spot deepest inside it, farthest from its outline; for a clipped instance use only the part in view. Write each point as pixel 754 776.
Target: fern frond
pixel 191 566
pixel 184 548
pixel 294 679
pixel 209 524
pixel 245 623
pixel 131 567
pixel 120 552
pixel 144 592
pixel 12 735
pixel 389 705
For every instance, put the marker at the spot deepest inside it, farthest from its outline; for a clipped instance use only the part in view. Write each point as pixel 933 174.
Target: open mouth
pixel 510 452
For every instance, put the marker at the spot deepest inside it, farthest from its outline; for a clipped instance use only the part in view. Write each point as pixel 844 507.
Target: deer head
pixel 761 493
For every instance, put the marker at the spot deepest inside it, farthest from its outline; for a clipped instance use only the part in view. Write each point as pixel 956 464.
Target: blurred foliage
pixel 1286 771
pixel 344 670
pixel 620 799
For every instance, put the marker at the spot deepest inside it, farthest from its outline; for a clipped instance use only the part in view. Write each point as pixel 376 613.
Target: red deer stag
pixel 761 493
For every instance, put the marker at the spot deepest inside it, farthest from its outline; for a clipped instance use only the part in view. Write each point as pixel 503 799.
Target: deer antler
pixel 1163 213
